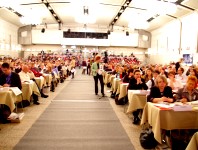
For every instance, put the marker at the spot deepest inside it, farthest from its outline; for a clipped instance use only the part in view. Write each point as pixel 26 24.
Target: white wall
pixel 8 39
pixel 56 37
pixel 166 40
pixel 48 37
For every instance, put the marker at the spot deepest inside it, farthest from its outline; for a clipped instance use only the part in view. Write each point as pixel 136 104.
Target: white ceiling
pixel 105 12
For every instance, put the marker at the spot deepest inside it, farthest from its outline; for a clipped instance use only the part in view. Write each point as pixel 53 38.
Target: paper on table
pixel 16 90
pixel 182 108
pixel 141 92
pixel 163 105
pixel 194 102
pixel 125 83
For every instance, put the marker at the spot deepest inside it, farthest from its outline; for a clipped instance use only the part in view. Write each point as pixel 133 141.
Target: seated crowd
pixel 163 81
pixel 16 72
pixel 162 84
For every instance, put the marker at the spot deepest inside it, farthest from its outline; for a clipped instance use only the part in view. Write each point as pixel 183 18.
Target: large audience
pixel 166 83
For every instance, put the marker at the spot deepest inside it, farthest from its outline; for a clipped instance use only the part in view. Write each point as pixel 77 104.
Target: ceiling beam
pixel 120 12
pixel 172 16
pixel 47 4
pixel 178 2
pixel 186 7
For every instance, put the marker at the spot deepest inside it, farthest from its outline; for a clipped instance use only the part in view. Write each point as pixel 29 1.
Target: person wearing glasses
pixel 9 78
pixel 189 92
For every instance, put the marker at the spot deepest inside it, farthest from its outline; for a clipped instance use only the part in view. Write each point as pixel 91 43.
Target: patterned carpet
pixel 77 119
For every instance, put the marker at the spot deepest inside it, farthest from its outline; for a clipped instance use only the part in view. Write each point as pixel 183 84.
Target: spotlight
pixel 43 30
pixel 127 33
pixel 59 26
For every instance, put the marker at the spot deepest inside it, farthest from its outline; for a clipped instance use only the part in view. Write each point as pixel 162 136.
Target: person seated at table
pixel 128 76
pixel 188 70
pixel 172 82
pixel 137 83
pixel 25 77
pixel 180 75
pixel 56 72
pixel 1 72
pixel 120 74
pixel 35 73
pixel 161 92
pixel 17 68
pixel 9 78
pixel 163 72
pixel 193 72
pixel 116 70
pixel 189 92
pixel 35 70
pixel 148 74
pixel 54 81
pixel 151 82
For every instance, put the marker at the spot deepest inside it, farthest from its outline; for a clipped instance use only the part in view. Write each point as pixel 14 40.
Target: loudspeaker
pixel 127 33
pixel 43 30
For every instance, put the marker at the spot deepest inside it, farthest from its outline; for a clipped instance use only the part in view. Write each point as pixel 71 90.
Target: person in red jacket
pixel 38 74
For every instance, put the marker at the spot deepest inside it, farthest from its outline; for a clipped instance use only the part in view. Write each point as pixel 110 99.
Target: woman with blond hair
pixel 161 92
pixel 97 74
pixel 189 92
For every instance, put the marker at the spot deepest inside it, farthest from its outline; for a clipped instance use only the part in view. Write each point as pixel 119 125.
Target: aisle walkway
pixel 77 120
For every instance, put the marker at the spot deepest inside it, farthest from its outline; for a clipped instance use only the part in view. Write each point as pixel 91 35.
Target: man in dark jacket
pixel 9 78
pixel 137 83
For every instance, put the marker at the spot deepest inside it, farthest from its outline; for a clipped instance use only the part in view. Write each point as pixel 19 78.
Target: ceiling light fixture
pixel 43 30
pixel 85 11
pixel 127 33
pixel 85 18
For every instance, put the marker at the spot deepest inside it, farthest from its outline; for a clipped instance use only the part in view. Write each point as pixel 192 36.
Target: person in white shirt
pixel 180 75
pixel 172 82
pixel 25 76
pixel 150 83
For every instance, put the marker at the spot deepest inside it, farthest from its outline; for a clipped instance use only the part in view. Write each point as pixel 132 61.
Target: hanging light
pixel 85 13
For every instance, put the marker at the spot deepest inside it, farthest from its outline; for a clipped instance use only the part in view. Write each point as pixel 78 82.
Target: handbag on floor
pixel 147 139
pixel 122 101
pixel 109 85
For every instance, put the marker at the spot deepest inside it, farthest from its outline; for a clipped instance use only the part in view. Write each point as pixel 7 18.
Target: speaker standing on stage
pixel 97 74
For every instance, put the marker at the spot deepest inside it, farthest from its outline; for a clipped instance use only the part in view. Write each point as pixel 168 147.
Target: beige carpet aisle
pixel 77 119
